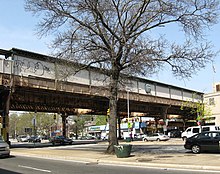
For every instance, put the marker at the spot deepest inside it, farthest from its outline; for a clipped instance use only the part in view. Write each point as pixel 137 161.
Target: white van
pixel 190 131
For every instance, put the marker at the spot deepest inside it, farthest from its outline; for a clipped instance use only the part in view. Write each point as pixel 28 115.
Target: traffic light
pixel 108 111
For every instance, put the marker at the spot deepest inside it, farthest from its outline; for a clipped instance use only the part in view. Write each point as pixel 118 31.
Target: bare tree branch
pixel 115 35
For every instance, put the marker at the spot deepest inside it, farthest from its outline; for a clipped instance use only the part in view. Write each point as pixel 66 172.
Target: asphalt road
pixel 29 165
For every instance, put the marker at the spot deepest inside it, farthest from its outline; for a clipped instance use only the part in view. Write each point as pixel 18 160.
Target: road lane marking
pixel 33 168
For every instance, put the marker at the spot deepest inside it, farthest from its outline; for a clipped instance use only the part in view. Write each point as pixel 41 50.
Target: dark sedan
pixel 205 141
pixel 34 139
pixel 60 140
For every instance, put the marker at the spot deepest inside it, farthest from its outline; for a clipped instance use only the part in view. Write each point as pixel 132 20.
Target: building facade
pixel 212 103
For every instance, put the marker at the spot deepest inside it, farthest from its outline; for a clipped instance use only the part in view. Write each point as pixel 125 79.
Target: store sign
pixel 95 128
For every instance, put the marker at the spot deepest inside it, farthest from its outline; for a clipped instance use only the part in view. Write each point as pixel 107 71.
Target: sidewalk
pixel 139 156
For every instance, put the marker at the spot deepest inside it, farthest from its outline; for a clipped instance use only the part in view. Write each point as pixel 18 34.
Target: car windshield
pixel 23 136
pixel 33 136
pixel 194 136
pixel 61 137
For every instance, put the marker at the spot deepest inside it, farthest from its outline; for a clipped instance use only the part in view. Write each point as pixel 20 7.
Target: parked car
pixel 4 148
pixel 34 139
pixel 205 141
pixel 60 140
pixel 190 131
pixel 22 138
pixel 174 133
pixel 155 137
pixel 104 136
pixel 138 136
pixel 88 137
pixel 44 137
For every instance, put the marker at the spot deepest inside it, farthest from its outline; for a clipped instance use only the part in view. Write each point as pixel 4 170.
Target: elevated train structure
pixel 39 83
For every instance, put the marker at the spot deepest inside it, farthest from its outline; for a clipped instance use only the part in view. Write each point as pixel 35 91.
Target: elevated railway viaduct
pixel 39 83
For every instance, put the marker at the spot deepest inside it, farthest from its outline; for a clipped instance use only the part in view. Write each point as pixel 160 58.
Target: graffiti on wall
pixel 28 66
pixel 7 64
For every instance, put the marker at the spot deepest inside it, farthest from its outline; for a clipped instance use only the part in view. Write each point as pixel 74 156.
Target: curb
pixel 156 165
pixel 121 163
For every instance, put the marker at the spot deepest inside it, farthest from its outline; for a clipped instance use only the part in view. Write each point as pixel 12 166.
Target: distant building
pixel 212 101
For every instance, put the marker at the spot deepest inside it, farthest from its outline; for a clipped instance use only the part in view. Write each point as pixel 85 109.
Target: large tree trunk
pixel 113 113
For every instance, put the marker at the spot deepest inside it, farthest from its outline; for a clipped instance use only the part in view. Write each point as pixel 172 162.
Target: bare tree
pixel 115 35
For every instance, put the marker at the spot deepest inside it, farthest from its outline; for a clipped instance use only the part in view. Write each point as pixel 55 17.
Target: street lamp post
pixel 128 107
pixel 128 104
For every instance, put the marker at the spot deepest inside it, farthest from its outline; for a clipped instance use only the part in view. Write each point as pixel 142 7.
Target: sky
pixel 18 30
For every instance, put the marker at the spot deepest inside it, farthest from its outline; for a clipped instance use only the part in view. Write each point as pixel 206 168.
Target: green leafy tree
pixel 100 120
pixel 116 35
pixel 13 120
pixel 20 123
pixel 197 110
pixel 79 125
pixel 44 123
pixel 24 121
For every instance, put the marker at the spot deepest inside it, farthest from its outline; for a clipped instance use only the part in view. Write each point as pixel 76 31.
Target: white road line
pixel 33 168
pixel 71 146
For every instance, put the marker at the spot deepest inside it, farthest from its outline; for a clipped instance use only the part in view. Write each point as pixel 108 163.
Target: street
pixel 84 157
pixel 29 165
pixel 171 146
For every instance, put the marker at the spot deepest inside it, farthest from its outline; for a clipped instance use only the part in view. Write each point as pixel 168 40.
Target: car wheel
pixel 145 139
pixel 184 138
pixel 158 139
pixel 196 149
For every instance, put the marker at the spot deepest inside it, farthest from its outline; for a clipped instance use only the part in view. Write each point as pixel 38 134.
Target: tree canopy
pixel 116 35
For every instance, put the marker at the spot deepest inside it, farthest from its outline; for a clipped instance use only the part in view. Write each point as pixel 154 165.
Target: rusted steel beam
pixel 29 93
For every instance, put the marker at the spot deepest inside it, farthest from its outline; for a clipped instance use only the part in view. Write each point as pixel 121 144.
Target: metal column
pixel 4 108
pixel 64 117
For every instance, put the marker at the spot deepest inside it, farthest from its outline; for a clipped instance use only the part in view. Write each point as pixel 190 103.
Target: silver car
pixel 4 148
pixel 22 138
pixel 155 137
